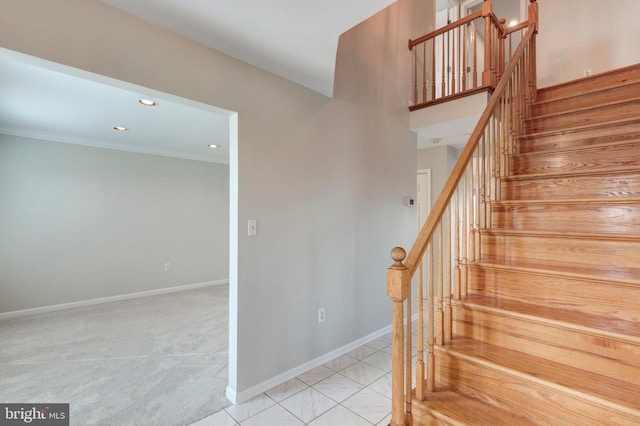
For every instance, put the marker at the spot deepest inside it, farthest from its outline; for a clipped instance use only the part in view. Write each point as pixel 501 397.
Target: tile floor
pixel 351 390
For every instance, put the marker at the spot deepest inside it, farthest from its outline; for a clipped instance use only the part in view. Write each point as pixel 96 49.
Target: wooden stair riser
pixel 559 249
pixel 611 158
pixel 446 407
pixel 572 187
pixel 541 402
pixel 588 350
pixel 558 106
pixel 594 83
pixel 579 138
pixel 619 218
pixel 591 296
pixel 584 117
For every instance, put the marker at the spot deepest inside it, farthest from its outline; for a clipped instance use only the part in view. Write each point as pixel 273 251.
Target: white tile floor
pixel 351 390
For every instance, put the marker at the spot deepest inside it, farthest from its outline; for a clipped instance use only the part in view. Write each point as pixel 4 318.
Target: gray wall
pixel 81 223
pixel 325 178
pixel 579 34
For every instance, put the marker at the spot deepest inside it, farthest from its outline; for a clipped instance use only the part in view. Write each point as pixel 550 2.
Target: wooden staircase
pixel 549 330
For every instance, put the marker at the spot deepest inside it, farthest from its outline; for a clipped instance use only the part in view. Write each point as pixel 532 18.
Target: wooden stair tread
pixel 618 275
pixel 584 109
pixel 615 328
pixel 601 113
pixel 451 407
pixel 576 235
pixel 620 200
pixel 567 173
pixel 593 147
pixel 628 89
pixel 584 384
pixel 575 129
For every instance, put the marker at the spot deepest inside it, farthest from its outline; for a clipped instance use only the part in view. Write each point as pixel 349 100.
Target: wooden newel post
pixel 398 287
pixel 487 10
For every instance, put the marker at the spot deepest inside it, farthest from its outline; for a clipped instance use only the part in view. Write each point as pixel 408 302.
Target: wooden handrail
pixel 447 28
pixel 451 229
pixel 520 26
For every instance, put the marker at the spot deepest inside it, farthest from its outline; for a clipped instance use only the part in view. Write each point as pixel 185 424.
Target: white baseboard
pixel 245 395
pixel 89 302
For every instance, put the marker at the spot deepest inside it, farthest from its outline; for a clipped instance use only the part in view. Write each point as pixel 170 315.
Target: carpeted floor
pixel 158 360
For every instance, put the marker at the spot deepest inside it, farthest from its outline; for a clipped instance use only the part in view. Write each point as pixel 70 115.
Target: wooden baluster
pixel 489 166
pixel 456 249
pixel 508 125
pixel 439 311
pixel 433 69
pixel 420 390
pixel 453 43
pixel 533 26
pixel 398 288
pixel 516 105
pixel 528 95
pixel 481 180
pixel 464 236
pixel 424 72
pixel 497 161
pixel 475 56
pixel 495 43
pixel 472 204
pixel 500 164
pixel 431 366
pixel 464 58
pixel 501 56
pixel 443 92
pixel 479 199
pixel 448 284
pixel 408 353
pixel 415 76
pixel 473 197
pixel 510 47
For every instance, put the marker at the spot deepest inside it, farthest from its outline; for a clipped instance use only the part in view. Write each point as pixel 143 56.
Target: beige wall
pixel 579 34
pixel 82 223
pixel 325 178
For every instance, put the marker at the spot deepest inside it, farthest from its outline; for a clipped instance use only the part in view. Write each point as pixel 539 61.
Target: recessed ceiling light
pixel 147 102
pixel 120 129
pixel 513 23
pixel 213 145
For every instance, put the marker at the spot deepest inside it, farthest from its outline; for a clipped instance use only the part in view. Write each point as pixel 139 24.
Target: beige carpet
pixel 159 360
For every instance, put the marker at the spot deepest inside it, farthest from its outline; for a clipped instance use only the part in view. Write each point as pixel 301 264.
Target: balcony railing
pixel 463 57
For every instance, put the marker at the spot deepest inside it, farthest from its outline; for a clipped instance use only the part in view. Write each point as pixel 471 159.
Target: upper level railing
pixel 462 57
pixel 448 241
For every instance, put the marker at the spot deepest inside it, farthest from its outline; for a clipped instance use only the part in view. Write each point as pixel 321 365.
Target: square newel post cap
pixel 398 279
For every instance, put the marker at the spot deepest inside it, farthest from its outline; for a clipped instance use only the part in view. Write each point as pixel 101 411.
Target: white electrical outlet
pixel 322 315
pixel 167 266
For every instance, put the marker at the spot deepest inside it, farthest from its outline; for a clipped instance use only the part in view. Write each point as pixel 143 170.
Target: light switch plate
pixel 252 228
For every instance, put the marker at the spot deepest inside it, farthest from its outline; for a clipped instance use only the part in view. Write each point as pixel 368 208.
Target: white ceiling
pixel 294 39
